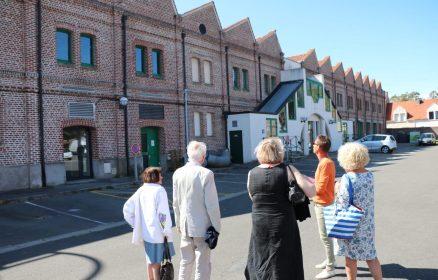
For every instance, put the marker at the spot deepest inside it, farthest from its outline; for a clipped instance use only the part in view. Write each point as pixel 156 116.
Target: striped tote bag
pixel 342 222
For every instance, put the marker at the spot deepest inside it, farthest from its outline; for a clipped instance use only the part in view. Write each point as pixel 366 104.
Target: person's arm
pixel 305 185
pixel 212 201
pixel 175 203
pixel 129 210
pixel 164 213
pixel 247 185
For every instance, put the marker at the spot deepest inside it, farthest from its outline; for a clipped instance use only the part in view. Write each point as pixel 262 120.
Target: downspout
pixel 222 90
pixel 40 92
pixel 125 91
pixel 185 91
pixel 177 79
pixel 227 77
pixel 356 131
pixel 260 77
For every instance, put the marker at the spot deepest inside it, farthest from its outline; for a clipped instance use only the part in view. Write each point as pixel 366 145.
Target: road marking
pixel 233 195
pixel 232 182
pixel 12 248
pixel 64 213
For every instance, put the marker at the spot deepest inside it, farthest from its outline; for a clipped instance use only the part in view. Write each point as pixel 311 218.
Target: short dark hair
pixel 323 142
pixel 152 175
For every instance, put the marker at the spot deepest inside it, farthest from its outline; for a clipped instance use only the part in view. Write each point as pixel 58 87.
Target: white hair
pixel 353 156
pixel 196 150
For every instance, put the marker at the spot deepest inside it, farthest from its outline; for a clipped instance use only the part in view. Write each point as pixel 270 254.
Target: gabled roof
pixel 278 98
pixel 240 22
pixel 358 79
pixel 324 60
pixel 366 82
pixel 415 111
pixel 338 71
pixel 349 76
pixel 205 6
pixel 269 44
pixel 301 57
pixel 266 36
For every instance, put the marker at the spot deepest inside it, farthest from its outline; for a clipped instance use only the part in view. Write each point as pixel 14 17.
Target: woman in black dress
pixel 275 245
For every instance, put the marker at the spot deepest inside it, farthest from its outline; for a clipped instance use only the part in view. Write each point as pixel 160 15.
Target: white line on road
pixel 64 213
pixel 233 195
pixel 12 248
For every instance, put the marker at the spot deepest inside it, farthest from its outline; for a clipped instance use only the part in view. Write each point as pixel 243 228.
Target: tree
pixel 433 94
pixel 405 96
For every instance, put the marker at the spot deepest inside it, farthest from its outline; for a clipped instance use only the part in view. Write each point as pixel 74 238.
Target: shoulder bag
pixel 166 270
pixel 341 222
pixel 296 194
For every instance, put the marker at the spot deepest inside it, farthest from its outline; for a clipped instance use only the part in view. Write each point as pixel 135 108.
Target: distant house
pixel 297 110
pixel 412 117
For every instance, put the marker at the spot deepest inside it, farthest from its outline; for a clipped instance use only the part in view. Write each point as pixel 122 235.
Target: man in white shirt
pixel 196 208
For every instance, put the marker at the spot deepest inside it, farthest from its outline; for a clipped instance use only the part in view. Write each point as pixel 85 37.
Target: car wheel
pixel 385 149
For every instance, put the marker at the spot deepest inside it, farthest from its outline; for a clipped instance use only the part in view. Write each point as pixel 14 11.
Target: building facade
pixel 360 102
pixel 82 81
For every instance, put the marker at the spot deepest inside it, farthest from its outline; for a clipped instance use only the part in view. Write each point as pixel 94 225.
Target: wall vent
pixel 151 112
pixel 81 110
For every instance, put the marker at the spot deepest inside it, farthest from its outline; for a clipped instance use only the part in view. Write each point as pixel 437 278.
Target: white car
pixel 379 143
pixel 426 139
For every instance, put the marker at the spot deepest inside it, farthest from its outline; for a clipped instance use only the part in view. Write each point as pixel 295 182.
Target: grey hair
pixel 196 150
pixel 352 156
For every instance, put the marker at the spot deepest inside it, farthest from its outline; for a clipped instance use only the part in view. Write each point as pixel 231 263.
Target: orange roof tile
pixel 414 111
pixel 236 24
pixel 336 66
pixel 324 60
pixel 301 57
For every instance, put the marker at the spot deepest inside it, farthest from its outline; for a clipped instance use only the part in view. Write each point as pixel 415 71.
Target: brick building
pixel 68 68
pixel 360 102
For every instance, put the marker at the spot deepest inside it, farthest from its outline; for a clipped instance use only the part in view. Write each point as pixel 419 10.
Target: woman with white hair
pixel 353 157
pixel 275 245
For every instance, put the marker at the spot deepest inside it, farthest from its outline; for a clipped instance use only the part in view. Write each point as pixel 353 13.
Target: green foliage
pixel 433 94
pixel 405 96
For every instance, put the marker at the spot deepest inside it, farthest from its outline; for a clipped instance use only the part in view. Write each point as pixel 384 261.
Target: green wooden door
pixel 150 147
pixel 236 147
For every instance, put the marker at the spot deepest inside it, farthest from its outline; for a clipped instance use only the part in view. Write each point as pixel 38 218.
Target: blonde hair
pixel 270 150
pixel 352 156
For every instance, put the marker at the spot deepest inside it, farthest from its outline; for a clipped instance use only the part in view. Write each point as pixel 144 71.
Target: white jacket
pixel 195 200
pixel 142 212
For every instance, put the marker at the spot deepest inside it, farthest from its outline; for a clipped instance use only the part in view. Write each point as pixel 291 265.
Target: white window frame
pixel 196 77
pixel 207 72
pixel 400 114
pixel 209 124
pixel 197 124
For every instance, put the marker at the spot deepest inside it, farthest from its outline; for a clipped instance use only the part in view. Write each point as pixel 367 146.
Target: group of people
pixel 275 250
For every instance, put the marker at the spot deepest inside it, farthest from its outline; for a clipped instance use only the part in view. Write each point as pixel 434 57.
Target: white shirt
pixel 143 210
pixel 195 200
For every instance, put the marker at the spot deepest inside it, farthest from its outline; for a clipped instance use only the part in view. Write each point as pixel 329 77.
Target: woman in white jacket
pixel 147 211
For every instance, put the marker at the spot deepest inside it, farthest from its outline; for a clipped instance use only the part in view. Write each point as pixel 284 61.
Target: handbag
pixel 341 222
pixel 211 237
pixel 296 194
pixel 166 269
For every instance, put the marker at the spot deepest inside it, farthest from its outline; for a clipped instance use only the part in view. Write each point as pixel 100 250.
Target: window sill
pixel 64 62
pixel 89 66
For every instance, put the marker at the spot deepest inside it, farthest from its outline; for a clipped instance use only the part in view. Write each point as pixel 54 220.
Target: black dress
pixel 275 245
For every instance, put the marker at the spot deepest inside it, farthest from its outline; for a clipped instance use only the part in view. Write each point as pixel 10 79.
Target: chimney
pixel 418 100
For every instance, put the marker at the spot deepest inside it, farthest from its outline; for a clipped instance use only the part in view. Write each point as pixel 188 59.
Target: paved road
pixel 82 236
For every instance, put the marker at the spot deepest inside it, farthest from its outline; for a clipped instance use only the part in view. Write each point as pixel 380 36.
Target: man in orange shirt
pixel 325 194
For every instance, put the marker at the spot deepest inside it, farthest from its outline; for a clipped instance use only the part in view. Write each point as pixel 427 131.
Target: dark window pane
pixel 266 81
pixel 86 50
pixel 273 82
pixel 245 79
pixel 63 45
pixel 156 63
pixel 140 66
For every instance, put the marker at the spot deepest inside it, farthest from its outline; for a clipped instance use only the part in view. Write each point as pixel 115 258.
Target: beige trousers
pixel 326 241
pixel 194 250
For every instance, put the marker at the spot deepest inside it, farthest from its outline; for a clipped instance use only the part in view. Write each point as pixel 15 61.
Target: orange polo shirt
pixel 325 182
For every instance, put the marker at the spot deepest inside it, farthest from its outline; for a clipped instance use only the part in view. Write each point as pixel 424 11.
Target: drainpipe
pixel 260 77
pixel 125 91
pixel 40 91
pixel 227 77
pixel 185 91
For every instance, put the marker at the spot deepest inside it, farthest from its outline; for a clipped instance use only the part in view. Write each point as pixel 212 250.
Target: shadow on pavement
pixel 396 271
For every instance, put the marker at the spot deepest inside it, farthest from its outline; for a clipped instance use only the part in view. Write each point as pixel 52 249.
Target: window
pixel 267 87
pixel 282 120
pixel 87 50
pixel 300 97
pixel 195 70
pixel 273 82
pixel 63 46
pixel 245 79
pixel 350 102
pixel 140 60
pixel 236 78
pixel 271 127
pixel 380 108
pixel 373 107
pixel 339 101
pixel 197 124
pixel 209 123
pixel 359 104
pixel 291 108
pixel 327 103
pixel 157 63
pixel 433 115
pixel 207 72
pixel 367 106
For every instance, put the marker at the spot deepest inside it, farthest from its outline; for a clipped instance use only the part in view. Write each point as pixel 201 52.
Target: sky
pixel 392 41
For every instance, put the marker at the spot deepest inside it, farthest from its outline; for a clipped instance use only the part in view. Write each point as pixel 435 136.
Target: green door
pixel 236 148
pixel 150 147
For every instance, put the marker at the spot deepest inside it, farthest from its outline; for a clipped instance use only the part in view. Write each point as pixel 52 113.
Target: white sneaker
pixel 325 274
pixel 323 265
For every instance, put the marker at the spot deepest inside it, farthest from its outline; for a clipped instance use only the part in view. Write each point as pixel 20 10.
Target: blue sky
pixel 392 41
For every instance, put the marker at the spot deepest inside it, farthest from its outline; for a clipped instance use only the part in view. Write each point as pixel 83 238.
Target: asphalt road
pixel 83 236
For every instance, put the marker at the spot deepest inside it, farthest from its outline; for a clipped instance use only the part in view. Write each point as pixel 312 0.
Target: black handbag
pixel 211 237
pixel 296 194
pixel 166 270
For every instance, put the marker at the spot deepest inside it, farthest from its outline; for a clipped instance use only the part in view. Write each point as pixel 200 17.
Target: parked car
pixel 379 143
pixel 427 139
